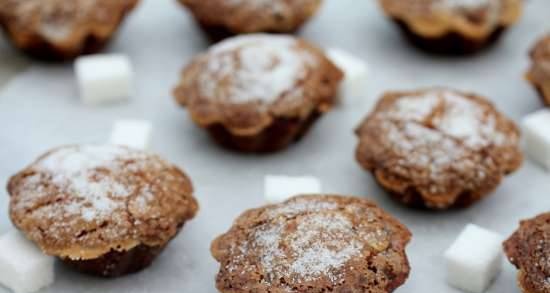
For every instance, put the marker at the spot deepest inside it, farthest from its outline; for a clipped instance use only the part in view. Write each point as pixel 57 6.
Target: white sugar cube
pixel 132 133
pixel 104 78
pixel 23 267
pixel 474 260
pixel 281 188
pixel 355 73
pixel 536 131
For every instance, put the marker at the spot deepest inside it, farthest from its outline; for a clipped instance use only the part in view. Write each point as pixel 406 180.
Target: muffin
pixel 222 18
pixel 313 244
pixel 259 93
pixel 529 250
pixel 453 26
pixel 438 148
pixel 60 29
pixel 539 74
pixel 104 210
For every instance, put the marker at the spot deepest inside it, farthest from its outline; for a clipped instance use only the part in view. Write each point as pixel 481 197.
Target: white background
pixel 40 109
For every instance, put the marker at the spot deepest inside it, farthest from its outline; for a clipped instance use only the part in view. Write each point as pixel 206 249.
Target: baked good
pixel 105 210
pixel 539 74
pixel 313 244
pixel 222 18
pixel 529 250
pixel 438 148
pixel 61 29
pixel 259 92
pixel 453 26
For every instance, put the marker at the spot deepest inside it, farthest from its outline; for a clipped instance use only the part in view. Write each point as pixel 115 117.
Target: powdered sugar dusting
pixel 485 11
pixel 254 68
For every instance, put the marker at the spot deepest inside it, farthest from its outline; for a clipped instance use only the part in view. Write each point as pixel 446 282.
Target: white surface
pixel 40 109
pixel 475 259
pixel 132 133
pixel 104 78
pixel 280 188
pixel 355 71
pixel 536 131
pixel 23 267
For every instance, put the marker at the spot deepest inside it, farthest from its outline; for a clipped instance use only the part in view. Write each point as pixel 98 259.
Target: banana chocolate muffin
pixel 222 18
pixel 61 29
pixel 104 210
pixel 313 244
pixel 529 250
pixel 259 92
pixel 453 26
pixel 438 148
pixel 539 74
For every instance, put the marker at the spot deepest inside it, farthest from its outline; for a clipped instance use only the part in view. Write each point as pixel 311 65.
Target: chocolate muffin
pixel 104 210
pixel 539 74
pixel 438 148
pixel 222 18
pixel 61 29
pixel 453 26
pixel 529 250
pixel 313 244
pixel 259 92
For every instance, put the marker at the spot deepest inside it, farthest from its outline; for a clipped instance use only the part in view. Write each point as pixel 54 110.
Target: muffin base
pixel 117 263
pixel 217 33
pixel 450 44
pixel 279 135
pixel 544 98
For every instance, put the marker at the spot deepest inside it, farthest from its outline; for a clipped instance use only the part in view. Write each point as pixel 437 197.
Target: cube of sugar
pixel 104 78
pixel 355 73
pixel 132 133
pixel 474 260
pixel 281 188
pixel 536 131
pixel 23 267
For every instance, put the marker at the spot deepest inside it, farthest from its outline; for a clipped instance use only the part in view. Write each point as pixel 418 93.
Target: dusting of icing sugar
pixel 255 68
pixel 467 4
pixel 490 9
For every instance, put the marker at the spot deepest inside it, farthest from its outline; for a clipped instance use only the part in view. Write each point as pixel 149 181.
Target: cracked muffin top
pixel 476 19
pixel 80 202
pixel 313 243
pixel 250 16
pixel 440 144
pixel 529 250
pixel 65 25
pixel 245 82
pixel 539 74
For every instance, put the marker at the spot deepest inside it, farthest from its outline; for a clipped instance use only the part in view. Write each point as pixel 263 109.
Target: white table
pixel 40 109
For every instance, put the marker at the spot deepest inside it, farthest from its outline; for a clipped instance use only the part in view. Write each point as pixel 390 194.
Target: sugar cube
pixel 474 260
pixel 104 78
pixel 536 131
pixel 23 267
pixel 132 133
pixel 281 188
pixel 355 73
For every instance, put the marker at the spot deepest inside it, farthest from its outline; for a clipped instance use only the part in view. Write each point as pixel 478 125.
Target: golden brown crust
pixel 59 29
pixel 539 73
pixel 82 202
pixel 313 244
pixel 249 83
pixel 529 250
pixel 245 16
pixel 438 148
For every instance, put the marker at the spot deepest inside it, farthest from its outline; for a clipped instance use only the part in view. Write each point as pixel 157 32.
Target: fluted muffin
pixel 222 18
pixel 60 29
pixel 104 210
pixel 438 148
pixel 529 250
pixel 453 26
pixel 259 93
pixel 539 74
pixel 313 244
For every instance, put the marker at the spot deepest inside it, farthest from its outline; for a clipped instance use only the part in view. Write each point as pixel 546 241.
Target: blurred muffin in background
pixel 61 29
pixel 453 26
